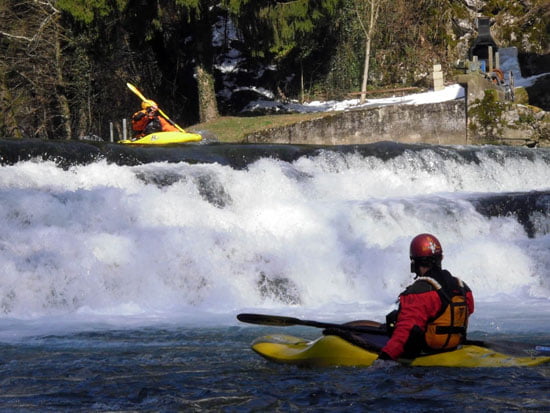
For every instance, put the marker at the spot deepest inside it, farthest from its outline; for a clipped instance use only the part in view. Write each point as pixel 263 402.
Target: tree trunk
pixel 369 30
pixel 208 106
pixel 365 70
pixel 62 100
pixel 302 93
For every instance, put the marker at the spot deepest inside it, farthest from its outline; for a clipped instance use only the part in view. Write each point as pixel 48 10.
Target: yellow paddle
pixel 140 95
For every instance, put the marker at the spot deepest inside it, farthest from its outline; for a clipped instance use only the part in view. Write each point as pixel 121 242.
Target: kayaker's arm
pixel 415 311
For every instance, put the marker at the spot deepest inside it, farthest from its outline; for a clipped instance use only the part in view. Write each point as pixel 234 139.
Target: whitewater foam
pixel 325 236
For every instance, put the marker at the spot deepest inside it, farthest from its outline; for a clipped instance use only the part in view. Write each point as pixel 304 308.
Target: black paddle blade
pixel 268 320
pixel 281 321
pixel 374 344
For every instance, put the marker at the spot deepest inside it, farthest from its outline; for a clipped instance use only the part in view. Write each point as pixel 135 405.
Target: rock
pixel 538 93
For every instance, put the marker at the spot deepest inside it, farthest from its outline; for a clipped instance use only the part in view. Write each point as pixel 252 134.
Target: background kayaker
pixel 148 120
pixel 433 311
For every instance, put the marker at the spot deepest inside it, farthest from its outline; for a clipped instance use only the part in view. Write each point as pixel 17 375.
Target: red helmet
pixel 425 246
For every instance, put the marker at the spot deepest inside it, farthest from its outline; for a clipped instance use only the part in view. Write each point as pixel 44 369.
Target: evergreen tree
pixel 294 35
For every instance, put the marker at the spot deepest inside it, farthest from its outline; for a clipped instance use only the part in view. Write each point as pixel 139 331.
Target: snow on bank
pixel 229 63
pixel 448 93
pixel 509 63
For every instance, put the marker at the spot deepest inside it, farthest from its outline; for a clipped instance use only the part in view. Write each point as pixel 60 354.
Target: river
pixel 122 270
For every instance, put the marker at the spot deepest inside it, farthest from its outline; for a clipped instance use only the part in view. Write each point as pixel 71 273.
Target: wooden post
pixel 497 60
pixel 111 131
pixel 124 129
pixel 490 62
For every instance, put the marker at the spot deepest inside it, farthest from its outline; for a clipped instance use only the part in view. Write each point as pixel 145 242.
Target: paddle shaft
pixel 281 321
pixel 143 98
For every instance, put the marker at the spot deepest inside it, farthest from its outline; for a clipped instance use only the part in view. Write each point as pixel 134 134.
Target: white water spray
pixel 324 237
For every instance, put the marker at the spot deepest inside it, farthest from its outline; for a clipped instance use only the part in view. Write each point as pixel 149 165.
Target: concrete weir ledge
pixel 437 123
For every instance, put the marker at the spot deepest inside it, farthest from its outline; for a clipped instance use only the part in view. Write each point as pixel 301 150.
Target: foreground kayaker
pixel 148 120
pixel 433 311
pixel 428 329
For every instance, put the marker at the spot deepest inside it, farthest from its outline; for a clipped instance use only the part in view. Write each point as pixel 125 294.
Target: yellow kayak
pixel 327 351
pixel 164 138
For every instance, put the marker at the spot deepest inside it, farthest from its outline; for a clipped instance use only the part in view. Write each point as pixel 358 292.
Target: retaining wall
pixel 437 123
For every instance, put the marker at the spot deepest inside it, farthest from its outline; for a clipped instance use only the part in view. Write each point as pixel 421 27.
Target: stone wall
pixel 437 123
pixel 515 123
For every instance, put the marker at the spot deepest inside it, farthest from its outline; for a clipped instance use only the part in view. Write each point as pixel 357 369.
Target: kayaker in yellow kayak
pixel 433 311
pixel 428 329
pixel 148 120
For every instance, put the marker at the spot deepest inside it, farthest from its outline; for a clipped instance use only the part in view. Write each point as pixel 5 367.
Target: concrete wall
pixel 475 86
pixel 437 123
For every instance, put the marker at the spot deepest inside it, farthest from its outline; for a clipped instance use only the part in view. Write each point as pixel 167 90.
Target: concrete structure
pixel 436 123
pixel 483 41
pixel 439 84
pixel 446 123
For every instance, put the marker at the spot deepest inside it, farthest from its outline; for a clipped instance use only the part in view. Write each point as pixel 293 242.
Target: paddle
pixel 143 98
pixel 282 321
pixel 508 347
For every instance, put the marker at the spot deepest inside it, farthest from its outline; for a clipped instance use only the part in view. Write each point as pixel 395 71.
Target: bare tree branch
pixel 47 19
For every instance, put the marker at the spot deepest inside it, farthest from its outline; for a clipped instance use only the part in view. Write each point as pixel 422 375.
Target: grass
pixel 236 128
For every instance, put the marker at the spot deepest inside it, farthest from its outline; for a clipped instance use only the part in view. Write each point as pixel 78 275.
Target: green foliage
pixel 526 118
pixel 346 64
pixel 235 128
pixel 189 4
pixel 193 8
pixel 86 10
pixel 494 7
pixel 157 43
pixel 521 23
pixel 277 28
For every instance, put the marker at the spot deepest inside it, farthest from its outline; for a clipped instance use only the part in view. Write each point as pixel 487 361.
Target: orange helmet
pixel 148 103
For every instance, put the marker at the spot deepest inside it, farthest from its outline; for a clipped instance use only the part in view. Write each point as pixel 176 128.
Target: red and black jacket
pixel 432 316
pixel 145 122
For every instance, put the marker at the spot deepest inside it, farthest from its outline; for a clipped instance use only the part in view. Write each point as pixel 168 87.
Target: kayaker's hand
pixel 384 364
pixel 138 116
pixel 384 361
